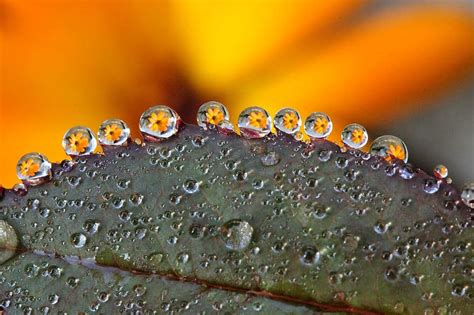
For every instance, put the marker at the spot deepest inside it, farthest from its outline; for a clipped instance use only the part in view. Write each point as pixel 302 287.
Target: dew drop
pixel 78 240
pixel 79 141
pixel 113 132
pixel 287 120
pixel 254 122
pixel 389 147
pixel 211 113
pixel 33 168
pixel 467 195
pixel 191 186
pixel 318 125
pixel 8 241
pixel 310 255
pixel 431 185
pixel 237 234
pixel 270 159
pixel 440 171
pixel 159 122
pixel 225 127
pixel 354 136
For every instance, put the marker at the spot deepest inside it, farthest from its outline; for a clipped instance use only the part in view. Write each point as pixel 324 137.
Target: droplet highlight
pixel 254 122
pixel 440 171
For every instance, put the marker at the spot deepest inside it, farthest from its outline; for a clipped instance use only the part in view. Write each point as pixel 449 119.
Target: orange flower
pixel 258 120
pixel 29 167
pixel 290 121
pixel 321 125
pixel 159 122
pixel 78 142
pixel 113 132
pixel 396 152
pixel 214 116
pixel 357 136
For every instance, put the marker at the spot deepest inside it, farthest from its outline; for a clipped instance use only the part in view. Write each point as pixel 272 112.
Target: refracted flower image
pixel 395 67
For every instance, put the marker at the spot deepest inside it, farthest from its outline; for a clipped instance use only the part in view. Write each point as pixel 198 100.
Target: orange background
pixel 66 63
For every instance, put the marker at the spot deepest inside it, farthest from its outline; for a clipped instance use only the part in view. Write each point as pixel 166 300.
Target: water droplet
pixel 33 168
pixel 310 255
pixel 8 241
pixel 270 159
pixel 389 147
pixel 78 240
pixel 467 195
pixel 79 141
pixel 159 122
pixel 354 136
pixel 113 132
pixel 431 185
pixel 191 186
pixel 211 113
pixel 440 171
pixel 91 226
pixel 254 122
pixel 237 234
pixel 287 120
pixel 225 127
pixel 318 125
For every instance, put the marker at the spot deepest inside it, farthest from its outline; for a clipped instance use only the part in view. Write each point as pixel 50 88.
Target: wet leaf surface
pixel 205 222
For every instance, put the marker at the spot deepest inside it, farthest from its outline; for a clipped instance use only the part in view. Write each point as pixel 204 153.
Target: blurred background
pixel 397 67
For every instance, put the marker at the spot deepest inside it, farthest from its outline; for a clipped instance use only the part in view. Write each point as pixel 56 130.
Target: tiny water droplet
pixel 78 141
pixel 211 113
pixel 254 122
pixel 467 195
pixel 33 168
pixel 8 241
pixel 159 122
pixel 354 136
pixel 287 120
pixel 237 234
pixel 113 132
pixel 389 147
pixel 318 125
pixel 310 255
pixel 78 240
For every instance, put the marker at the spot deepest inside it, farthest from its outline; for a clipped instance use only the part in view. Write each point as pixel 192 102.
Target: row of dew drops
pixel 161 122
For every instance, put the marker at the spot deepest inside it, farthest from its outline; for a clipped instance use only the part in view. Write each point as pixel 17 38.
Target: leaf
pixel 206 218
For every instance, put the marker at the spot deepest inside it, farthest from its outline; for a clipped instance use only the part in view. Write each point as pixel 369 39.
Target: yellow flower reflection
pixel 29 167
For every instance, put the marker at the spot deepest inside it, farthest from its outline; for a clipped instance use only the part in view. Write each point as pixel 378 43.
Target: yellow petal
pixel 222 41
pixel 372 73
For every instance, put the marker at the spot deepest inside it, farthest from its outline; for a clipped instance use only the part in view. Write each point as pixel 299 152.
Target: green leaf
pixel 205 221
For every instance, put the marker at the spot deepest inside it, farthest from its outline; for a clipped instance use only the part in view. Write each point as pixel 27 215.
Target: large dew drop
pixel 287 120
pixel 254 122
pixel 389 147
pixel 354 136
pixel 318 125
pixel 8 241
pixel 113 132
pixel 33 168
pixel 211 113
pixel 467 195
pixel 237 234
pixel 79 141
pixel 159 122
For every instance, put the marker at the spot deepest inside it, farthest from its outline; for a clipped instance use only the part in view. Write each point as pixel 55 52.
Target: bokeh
pixel 399 67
